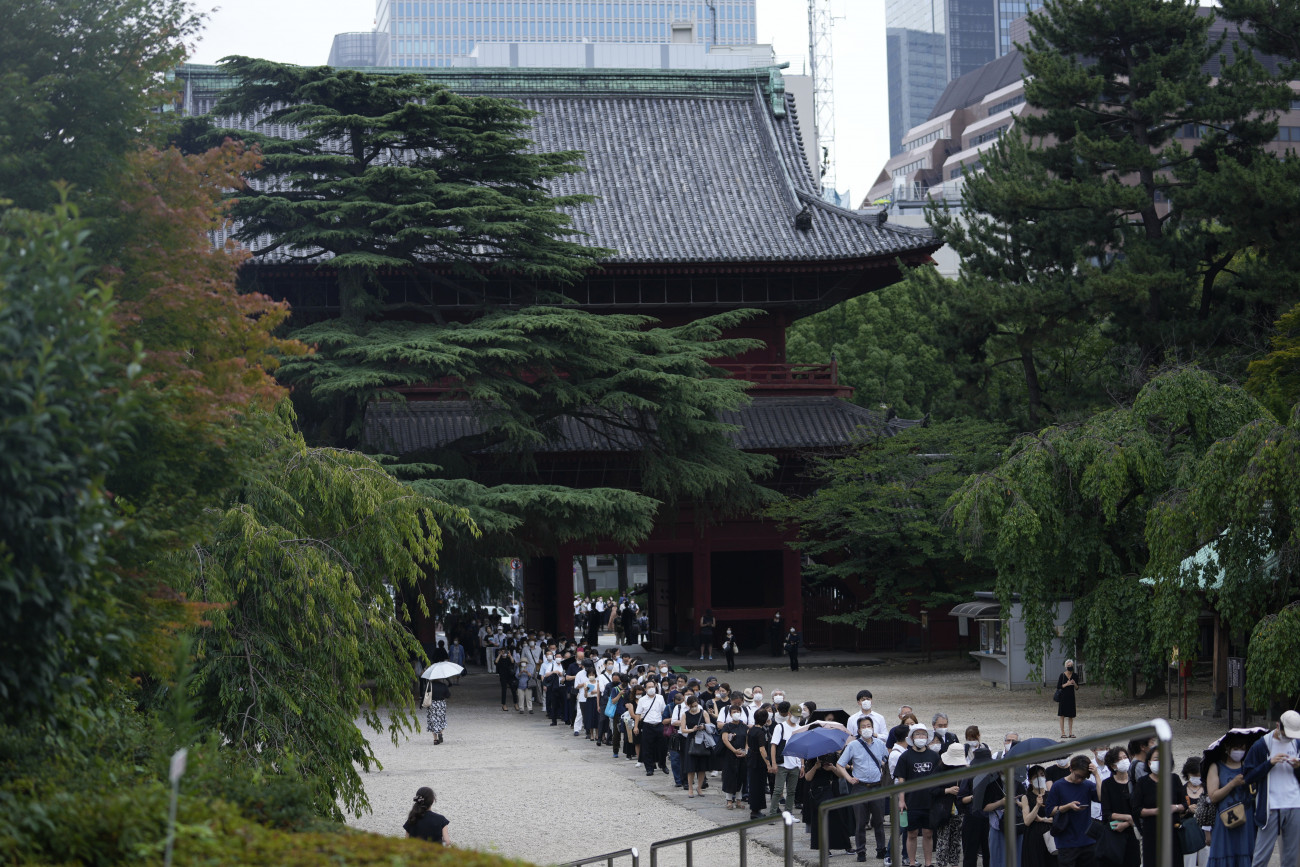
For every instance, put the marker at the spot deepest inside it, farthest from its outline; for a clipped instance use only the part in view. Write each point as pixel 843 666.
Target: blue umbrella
pixel 815 742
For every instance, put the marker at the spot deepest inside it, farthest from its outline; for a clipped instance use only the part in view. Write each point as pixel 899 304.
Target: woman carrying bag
pixel 1232 837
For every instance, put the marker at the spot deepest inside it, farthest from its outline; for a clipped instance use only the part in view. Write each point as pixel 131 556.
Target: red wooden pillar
pixel 701 585
pixel 564 591
pixel 792 589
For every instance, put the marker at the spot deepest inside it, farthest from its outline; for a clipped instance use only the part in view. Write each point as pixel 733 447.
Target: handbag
pixel 1234 816
pixel 1191 838
pixel 611 706
pixel 428 696
pixel 1204 815
pixel 1111 846
pixel 1056 696
pixel 698 746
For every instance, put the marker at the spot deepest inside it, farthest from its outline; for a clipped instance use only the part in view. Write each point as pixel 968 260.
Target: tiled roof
pixel 767 423
pixel 686 166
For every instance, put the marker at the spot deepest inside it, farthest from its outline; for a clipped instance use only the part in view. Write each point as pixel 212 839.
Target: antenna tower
pixel 821 65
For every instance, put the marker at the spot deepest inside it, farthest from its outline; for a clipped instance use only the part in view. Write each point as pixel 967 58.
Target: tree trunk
pixel 1032 386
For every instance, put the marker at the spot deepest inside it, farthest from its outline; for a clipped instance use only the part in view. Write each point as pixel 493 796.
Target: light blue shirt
pixel 856 756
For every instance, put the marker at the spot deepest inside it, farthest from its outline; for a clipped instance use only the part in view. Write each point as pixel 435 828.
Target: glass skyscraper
pixel 432 32
pixel 932 42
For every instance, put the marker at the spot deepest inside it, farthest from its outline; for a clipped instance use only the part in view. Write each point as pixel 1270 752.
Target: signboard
pixel 1236 671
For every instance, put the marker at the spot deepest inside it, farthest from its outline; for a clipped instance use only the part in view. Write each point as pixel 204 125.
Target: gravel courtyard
pixel 513 785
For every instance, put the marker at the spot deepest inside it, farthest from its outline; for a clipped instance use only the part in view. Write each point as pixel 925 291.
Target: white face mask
pixel 867 733
pixel 1040 782
pixel 649 690
pixel 1062 763
pixel 1237 755
pixel 920 740
pixel 778 698
pixel 1155 766
pixel 866 704
pixel 758 696
pixel 1195 781
pixel 1123 765
pixel 1101 755
pixel 972 744
pixel 940 731
pixel 663 669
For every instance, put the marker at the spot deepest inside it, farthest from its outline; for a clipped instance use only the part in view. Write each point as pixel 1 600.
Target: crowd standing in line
pixel 1232 806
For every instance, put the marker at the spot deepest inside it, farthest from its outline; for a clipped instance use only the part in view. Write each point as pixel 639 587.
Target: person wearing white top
pixel 649 717
pixel 877 721
pixel 787 770
pixel 580 681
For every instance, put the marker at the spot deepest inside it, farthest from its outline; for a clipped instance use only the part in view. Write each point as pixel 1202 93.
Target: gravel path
pixel 513 785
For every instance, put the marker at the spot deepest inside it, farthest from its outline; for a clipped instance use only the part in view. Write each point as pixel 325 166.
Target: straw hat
pixel 955 756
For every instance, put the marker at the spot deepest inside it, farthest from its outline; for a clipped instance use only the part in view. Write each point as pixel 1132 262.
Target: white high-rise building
pixel 435 32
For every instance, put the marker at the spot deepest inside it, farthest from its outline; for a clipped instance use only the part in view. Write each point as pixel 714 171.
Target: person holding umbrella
pixel 436 694
pixel 1225 785
pixel 862 766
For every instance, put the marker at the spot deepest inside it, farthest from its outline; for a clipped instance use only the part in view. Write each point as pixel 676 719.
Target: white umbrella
pixel 439 670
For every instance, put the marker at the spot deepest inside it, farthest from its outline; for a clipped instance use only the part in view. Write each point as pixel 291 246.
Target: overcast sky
pixel 300 31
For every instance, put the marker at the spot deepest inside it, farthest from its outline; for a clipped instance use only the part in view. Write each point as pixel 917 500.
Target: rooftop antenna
pixel 821 65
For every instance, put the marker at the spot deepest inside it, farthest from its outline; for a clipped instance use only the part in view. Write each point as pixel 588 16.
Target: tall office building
pixel 433 32
pixel 932 42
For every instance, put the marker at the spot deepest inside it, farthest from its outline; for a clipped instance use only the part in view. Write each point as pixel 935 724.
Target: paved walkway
pixel 512 784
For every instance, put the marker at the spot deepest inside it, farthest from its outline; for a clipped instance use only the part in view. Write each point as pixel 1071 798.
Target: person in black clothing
pixel 505 665
pixel 775 634
pixel 1147 801
pixel 1118 807
pixel 758 743
pixel 918 761
pixel 792 648
pixel 1066 686
pixel 439 653
pixel 422 822
pixel 975 822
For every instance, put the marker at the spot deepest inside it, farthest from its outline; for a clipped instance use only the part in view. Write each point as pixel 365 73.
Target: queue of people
pixel 1232 806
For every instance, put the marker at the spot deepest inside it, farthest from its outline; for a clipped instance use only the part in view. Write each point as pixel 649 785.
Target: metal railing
pixel 608 858
pixel 1157 728
pixel 740 828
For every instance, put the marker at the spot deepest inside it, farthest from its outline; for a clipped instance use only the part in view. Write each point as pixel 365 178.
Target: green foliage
pixel 1065 514
pixel 888 345
pixel 533 366
pixel 1094 244
pixel 1238 510
pixel 65 403
pixel 1273 667
pixel 876 518
pixel 467 190
pixel 304 562
pixel 82 80
pixel 1275 378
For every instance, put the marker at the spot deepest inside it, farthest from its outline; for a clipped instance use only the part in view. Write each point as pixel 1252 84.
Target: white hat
pixel 919 727
pixel 955 756
pixel 1291 724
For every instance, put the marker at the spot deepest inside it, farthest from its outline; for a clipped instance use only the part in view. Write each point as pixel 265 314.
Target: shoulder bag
pixel 1234 816
pixel 1190 837
pixel 428 696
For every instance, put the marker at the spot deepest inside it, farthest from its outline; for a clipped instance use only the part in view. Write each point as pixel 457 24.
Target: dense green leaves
pixel 81 81
pixel 392 171
pixel 1066 513
pixel 876 518
pixel 65 404
pixel 305 561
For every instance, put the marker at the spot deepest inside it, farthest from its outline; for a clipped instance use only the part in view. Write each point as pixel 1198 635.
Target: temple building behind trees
pixel 705 193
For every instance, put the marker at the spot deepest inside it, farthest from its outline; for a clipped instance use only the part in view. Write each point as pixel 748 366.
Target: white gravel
pixel 513 785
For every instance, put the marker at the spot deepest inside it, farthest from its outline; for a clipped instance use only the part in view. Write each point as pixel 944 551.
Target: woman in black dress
pixel 1037 822
pixel 1147 800
pixel 819 774
pixel 422 822
pixel 1118 808
pixel 505 665
pixel 707 622
pixel 1065 709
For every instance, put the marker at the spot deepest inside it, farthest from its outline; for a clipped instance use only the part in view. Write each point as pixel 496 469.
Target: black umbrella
pixel 834 714
pixel 1215 751
pixel 1026 746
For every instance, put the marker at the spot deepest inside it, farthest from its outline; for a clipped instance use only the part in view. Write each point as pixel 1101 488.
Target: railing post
pixel 744 856
pixel 788 832
pixel 690 854
pixel 636 857
pixel 1009 815
pixel 895 837
pixel 1164 782
pixel 823 827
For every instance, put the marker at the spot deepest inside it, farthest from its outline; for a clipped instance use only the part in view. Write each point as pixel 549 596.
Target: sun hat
pixel 748 694
pixel 955 756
